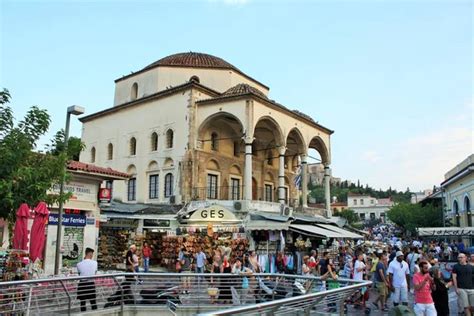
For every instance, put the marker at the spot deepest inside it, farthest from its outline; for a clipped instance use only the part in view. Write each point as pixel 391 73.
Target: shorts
pixel 400 295
pixel 466 298
pixel 425 309
pixel 382 288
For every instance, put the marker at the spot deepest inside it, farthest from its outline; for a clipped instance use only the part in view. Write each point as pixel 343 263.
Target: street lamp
pixel 74 110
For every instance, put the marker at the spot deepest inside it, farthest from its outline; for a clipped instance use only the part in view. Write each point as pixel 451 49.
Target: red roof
pixel 86 167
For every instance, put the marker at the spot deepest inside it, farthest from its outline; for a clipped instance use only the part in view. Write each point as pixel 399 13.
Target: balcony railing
pixel 235 193
pixel 178 294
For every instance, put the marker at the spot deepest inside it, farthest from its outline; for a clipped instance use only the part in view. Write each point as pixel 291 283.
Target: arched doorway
pixel 467 209
pixel 456 214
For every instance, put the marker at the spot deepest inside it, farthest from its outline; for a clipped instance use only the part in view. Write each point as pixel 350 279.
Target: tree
pixel 25 175
pixel 411 216
pixel 349 215
pixel 74 146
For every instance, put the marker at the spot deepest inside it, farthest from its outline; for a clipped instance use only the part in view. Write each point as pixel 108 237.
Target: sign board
pixel 90 221
pixel 120 222
pixel 104 195
pixel 68 220
pixel 213 213
pixel 446 231
pixel 156 223
pixel 80 191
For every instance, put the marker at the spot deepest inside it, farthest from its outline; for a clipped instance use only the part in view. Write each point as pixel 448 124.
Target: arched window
pixel 133 146
pixel 134 91
pixel 194 79
pixel 467 209
pixel 214 141
pixel 456 213
pixel 169 139
pixel 110 151
pixel 93 154
pixel 168 185
pixel 154 141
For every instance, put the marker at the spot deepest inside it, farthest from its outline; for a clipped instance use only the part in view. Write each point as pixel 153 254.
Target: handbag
pixel 245 283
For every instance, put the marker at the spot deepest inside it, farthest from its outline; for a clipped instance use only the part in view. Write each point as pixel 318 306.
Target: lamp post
pixel 74 110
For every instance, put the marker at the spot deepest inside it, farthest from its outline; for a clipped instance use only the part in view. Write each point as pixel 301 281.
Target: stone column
pixel 304 180
pixel 281 175
pixel 327 189
pixel 248 170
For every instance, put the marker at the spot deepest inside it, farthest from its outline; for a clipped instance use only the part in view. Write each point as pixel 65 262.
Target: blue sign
pixel 68 220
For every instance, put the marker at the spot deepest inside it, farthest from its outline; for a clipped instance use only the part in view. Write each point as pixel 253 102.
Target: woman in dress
pixel 215 282
pixel 225 292
pixel 440 294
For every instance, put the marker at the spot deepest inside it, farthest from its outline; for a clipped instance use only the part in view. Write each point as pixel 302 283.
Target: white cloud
pixel 371 156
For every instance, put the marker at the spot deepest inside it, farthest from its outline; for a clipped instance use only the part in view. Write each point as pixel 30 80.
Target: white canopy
pixel 446 231
pixel 345 233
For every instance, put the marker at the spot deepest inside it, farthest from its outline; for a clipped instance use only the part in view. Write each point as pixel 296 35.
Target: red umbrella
pixel 20 234
pixel 37 231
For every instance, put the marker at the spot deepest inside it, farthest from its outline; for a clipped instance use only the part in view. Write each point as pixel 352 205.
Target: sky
pixel 393 79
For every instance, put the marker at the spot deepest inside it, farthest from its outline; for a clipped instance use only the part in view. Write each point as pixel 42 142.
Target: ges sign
pixel 214 213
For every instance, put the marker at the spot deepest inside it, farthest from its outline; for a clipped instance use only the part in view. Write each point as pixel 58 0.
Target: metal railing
pixel 177 293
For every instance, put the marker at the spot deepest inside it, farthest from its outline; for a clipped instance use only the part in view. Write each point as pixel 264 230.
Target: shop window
pixel 153 187
pixel 109 184
pixel 212 186
pixel 268 192
pixel 134 91
pixel 132 189
pixel 235 189
pixel 168 185
pixel 133 146
pixel 110 151
pixel 169 139
pixel 236 149
pixel 93 154
pixel 154 142
pixel 214 141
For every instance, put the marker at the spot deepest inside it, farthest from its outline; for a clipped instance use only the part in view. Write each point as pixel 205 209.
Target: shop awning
pixel 446 231
pixel 345 233
pixel 266 225
pixel 312 230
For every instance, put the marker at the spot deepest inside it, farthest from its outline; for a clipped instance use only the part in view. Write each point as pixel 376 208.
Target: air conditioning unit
pixel 286 211
pixel 237 206
pixel 172 199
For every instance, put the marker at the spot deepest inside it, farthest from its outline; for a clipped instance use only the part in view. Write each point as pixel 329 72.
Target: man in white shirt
pixel 399 273
pixel 86 288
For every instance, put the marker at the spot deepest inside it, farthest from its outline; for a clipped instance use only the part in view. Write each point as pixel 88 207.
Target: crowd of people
pixel 396 266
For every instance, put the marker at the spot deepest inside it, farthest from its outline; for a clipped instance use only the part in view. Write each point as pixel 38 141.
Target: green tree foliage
pixel 411 216
pixel 25 175
pixel 74 146
pixel 349 215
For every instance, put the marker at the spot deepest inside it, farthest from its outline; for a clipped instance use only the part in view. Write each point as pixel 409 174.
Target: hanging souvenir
pixel 210 230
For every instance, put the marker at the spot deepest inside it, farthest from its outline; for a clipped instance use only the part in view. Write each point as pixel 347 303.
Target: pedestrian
pixel 412 258
pixel 440 294
pixel 381 283
pixel 129 258
pixel 399 274
pixel 423 284
pixel 313 262
pixel 359 268
pixel 225 293
pixel 201 260
pixel 215 282
pixel 463 284
pixel 146 252
pixel 186 268
pixel 86 288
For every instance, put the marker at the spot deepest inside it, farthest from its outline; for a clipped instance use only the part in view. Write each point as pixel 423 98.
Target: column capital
pixel 248 140
pixel 304 158
pixel 282 150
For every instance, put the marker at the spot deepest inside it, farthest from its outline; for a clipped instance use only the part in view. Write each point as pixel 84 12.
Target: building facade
pixel 192 127
pixel 458 191
pixel 368 207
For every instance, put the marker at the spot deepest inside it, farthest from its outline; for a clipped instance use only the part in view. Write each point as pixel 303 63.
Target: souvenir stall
pixel 213 229
pixel 154 231
pixel 14 265
pixel 115 236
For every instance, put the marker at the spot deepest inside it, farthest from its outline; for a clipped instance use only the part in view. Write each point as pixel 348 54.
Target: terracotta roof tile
pixel 193 59
pixel 243 88
pixel 86 167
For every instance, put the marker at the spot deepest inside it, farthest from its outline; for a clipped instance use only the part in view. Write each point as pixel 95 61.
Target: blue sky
pixel 392 78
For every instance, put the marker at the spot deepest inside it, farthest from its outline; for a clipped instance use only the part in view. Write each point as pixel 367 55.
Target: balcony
pixel 234 193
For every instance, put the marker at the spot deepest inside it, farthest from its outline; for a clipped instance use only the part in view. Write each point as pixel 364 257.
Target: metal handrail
pixel 121 292
pixel 287 301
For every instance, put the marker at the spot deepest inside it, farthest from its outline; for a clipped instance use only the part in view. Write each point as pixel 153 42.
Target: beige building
pixel 368 207
pixel 191 126
pixel 458 192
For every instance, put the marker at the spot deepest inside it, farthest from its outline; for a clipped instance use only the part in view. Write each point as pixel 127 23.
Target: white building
pixel 368 207
pixel 418 196
pixel 191 126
